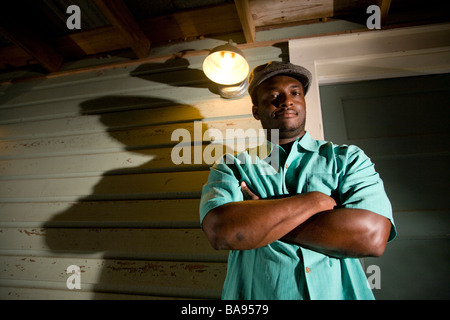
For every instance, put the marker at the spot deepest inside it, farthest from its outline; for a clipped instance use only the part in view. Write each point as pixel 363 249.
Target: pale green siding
pixel 87 179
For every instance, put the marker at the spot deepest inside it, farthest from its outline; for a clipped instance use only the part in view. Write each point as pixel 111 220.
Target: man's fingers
pixel 248 194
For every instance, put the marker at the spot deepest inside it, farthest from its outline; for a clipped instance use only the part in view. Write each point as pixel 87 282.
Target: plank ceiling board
pixel 4 41
pixel 146 9
pixel 120 17
pixel 270 12
pixel 54 12
pixel 192 24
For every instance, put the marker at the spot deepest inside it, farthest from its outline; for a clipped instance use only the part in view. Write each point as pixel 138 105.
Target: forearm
pixel 343 233
pixel 255 223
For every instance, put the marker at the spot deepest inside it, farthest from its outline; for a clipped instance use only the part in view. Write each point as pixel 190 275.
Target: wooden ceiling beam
pixel 14 56
pixel 245 16
pixel 32 44
pixel 121 18
pixel 384 10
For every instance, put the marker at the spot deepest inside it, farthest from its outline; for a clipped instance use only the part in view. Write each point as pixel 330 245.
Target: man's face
pixel 281 105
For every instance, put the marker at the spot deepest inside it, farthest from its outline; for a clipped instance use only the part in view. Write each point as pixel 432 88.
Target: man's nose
pixel 284 101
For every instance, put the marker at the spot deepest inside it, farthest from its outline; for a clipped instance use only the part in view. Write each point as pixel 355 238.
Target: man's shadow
pixel 87 227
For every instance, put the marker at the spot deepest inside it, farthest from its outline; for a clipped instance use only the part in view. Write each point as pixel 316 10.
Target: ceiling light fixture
pixel 226 66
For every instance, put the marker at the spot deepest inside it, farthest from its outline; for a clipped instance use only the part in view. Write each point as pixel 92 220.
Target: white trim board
pixel 369 55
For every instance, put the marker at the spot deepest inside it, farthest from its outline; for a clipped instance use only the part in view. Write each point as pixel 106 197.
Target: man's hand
pixel 248 194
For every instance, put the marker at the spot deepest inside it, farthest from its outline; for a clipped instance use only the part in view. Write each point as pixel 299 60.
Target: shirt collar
pixel 265 149
pixel 308 143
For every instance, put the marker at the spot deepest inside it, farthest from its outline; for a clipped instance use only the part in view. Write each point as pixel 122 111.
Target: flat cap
pixel 274 68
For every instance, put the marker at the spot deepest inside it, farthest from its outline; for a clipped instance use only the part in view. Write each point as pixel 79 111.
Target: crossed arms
pixel 309 220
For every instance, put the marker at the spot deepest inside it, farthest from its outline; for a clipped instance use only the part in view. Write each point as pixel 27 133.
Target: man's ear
pixel 255 112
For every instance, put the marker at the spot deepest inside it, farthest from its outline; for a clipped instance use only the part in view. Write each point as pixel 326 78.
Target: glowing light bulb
pixel 227 61
pixel 226 65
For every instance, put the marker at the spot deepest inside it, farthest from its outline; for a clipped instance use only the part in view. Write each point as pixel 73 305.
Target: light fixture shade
pixel 226 65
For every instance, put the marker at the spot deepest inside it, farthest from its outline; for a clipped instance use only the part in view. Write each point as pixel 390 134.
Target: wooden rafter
pixel 245 16
pixel 384 10
pixel 31 43
pixel 121 18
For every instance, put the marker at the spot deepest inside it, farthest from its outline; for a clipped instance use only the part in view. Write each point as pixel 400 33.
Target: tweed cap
pixel 274 68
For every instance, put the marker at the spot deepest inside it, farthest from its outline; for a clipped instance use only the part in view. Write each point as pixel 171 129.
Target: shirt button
pixel 286 166
pixel 308 270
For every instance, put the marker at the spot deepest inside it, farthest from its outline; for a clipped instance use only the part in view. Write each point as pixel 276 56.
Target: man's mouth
pixel 285 114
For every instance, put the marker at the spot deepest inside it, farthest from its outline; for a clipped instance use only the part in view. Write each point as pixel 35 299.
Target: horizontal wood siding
pixel 87 179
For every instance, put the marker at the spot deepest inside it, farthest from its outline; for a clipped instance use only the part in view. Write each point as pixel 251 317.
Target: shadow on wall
pixel 112 223
pixel 176 73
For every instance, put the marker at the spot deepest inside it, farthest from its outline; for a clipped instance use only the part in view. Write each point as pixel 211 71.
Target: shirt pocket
pixel 323 182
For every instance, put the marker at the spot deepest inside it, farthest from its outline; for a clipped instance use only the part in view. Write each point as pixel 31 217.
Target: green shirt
pixel 286 271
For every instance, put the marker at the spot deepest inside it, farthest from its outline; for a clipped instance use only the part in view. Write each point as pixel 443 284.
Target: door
pixel 402 124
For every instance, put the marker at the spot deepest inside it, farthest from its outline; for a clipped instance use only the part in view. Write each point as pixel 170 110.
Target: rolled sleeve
pixel 362 188
pixel 222 187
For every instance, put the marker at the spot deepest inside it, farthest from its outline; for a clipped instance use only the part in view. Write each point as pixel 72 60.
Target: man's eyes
pixel 275 95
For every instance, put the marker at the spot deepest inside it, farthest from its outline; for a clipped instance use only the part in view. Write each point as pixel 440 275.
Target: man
pixel 295 233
